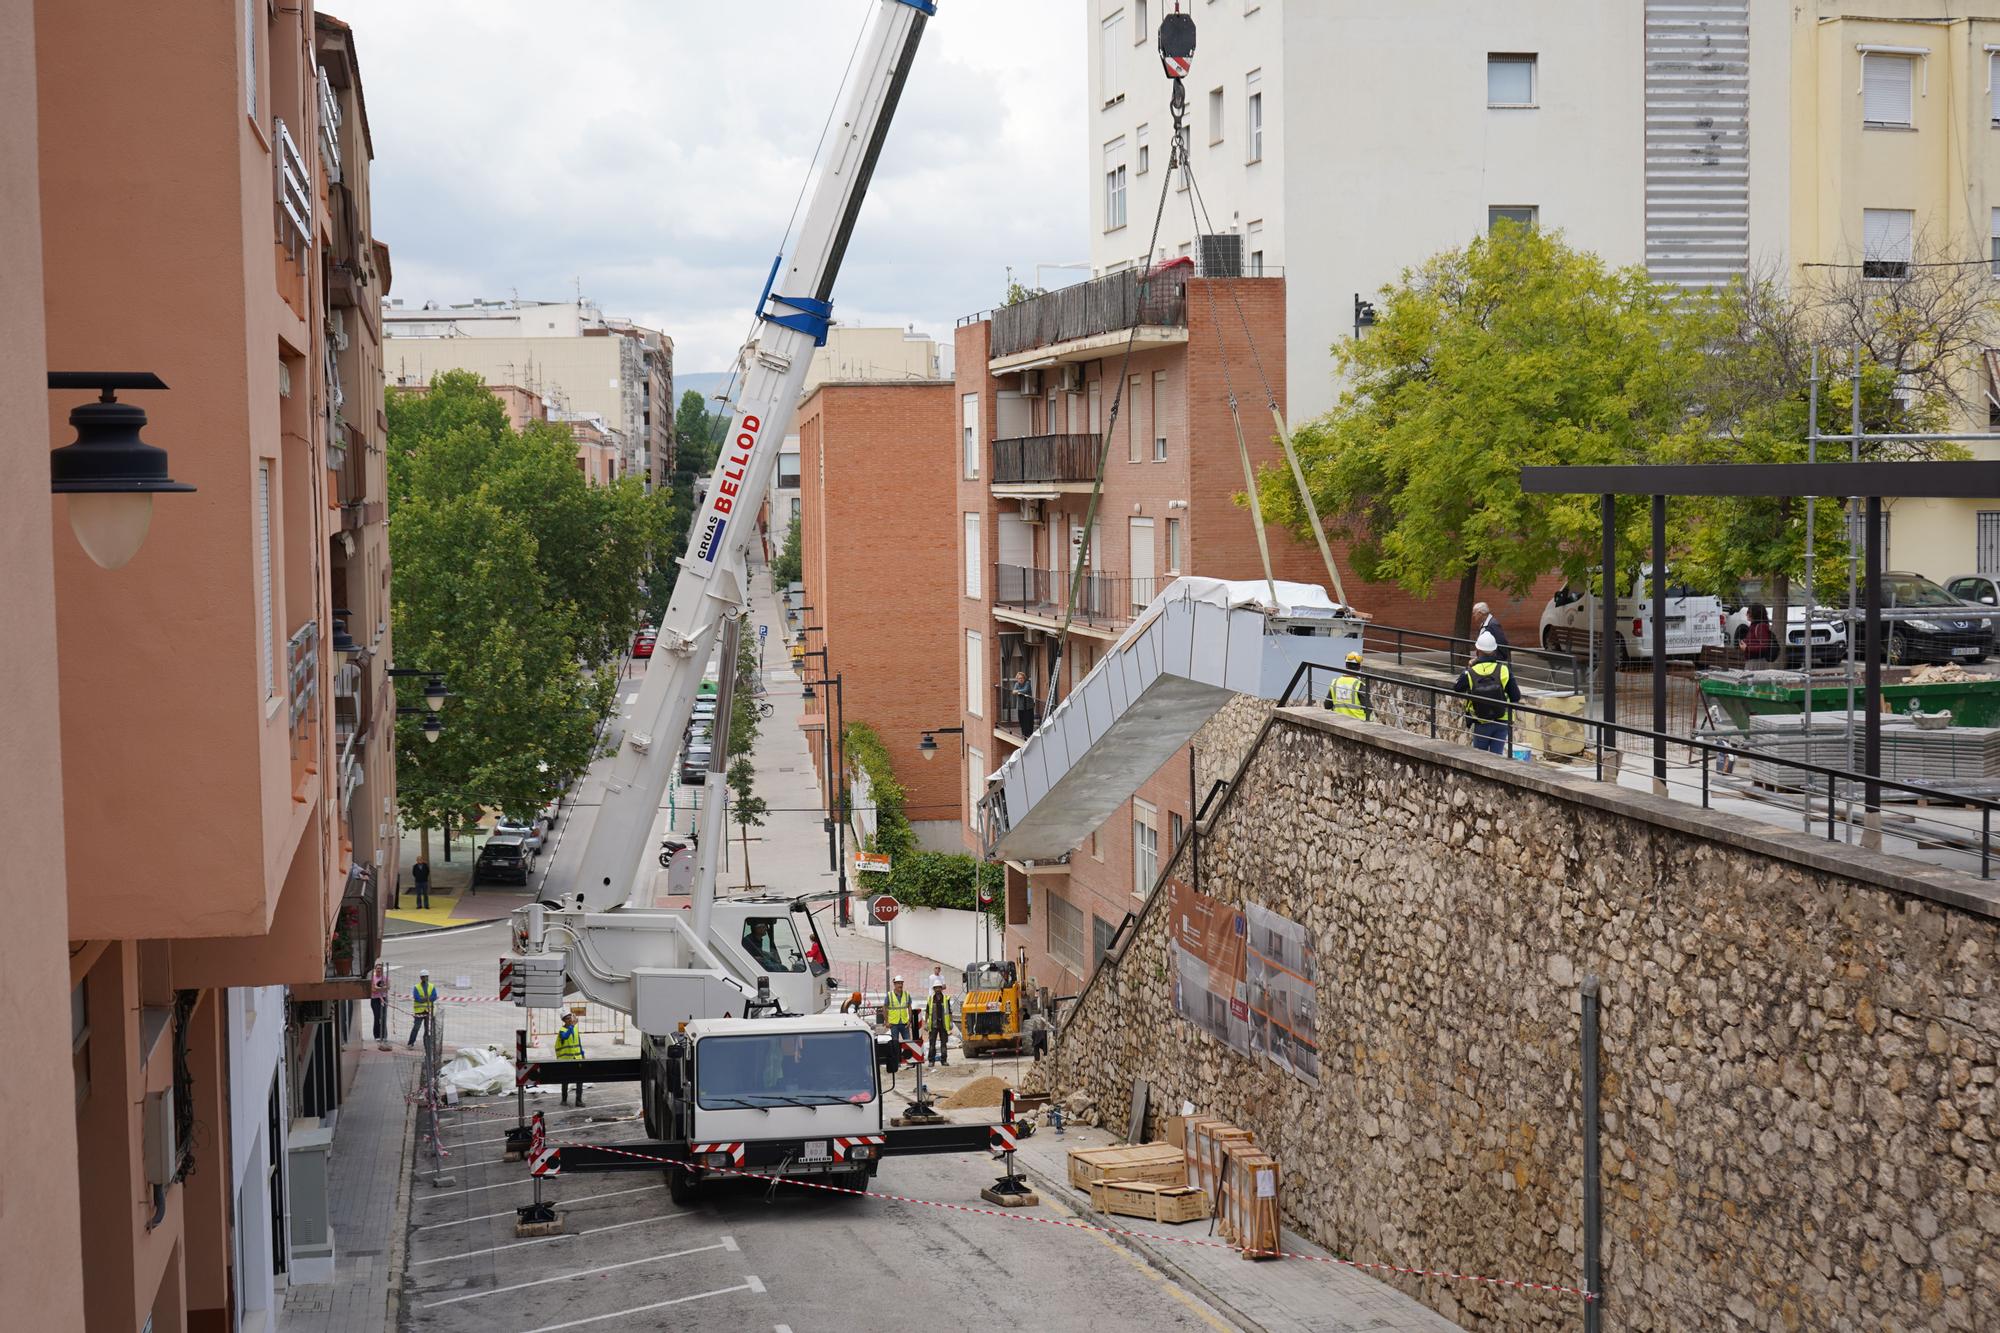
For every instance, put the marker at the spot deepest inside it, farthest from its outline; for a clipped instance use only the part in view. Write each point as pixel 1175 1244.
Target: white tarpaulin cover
pixel 478 1070
pixel 1231 594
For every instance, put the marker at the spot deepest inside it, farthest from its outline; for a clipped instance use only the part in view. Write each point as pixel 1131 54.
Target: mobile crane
pixel 740 1067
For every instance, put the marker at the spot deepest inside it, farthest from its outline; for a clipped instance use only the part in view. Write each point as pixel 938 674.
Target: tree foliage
pixel 893 834
pixel 514 579
pixel 1515 350
pixel 787 566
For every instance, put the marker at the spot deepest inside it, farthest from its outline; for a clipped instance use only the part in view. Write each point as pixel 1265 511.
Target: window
pixel 1857 531
pixel 1159 416
pixel 1139 25
pixel 1510 80
pixel 1886 87
pixel 969 419
pixel 1987 523
pixel 1887 236
pixel 1143 584
pixel 1145 152
pixel 1524 215
pixel 1253 115
pixel 79 1039
pixel 975 776
pixel 975 673
pixel 1065 932
pixel 1253 241
pixel 1145 847
pixel 1176 832
pixel 1114 185
pixel 1134 449
pixel 1097 408
pixel 1995 229
pixel 795 509
pixel 266 610
pixel 1173 546
pixel 1109 57
pixel 1215 115
pixel 972 555
pixel 253 18
pixel 1102 932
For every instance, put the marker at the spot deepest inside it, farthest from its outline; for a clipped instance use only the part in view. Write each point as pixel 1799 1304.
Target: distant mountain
pixel 707 384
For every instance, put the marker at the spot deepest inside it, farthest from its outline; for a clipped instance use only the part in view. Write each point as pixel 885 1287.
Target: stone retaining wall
pixel 1799 1042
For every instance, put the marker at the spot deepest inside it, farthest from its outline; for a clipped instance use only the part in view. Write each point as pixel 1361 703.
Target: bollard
pixel 1011 1190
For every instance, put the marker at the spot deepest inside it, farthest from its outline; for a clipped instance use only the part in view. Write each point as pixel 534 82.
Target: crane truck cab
pixel 792 1096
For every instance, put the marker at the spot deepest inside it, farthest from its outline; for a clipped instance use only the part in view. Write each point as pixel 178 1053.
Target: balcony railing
pixel 1018 711
pixel 1032 458
pixel 329 125
pixel 302 675
pixel 294 191
pixel 1102 305
pixel 1102 601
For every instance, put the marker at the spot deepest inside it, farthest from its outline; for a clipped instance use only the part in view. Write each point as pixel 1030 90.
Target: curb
pixel 399 1234
pixel 1063 1190
pixel 428 931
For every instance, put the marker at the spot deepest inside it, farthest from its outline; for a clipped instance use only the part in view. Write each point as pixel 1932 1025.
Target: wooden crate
pixel 1209 1143
pixel 1161 1163
pixel 1247 1208
pixel 1149 1199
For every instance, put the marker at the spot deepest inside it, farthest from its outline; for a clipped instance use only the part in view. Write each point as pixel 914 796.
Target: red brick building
pixel 878 555
pixel 1034 392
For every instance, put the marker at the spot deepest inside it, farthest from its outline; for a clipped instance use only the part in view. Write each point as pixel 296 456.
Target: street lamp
pixel 433 724
pixel 838 786
pixel 109 474
pixel 928 746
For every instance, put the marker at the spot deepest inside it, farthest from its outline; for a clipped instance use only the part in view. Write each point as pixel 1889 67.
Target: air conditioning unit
pixel 1031 511
pixel 1031 383
pixel 1031 636
pixel 1222 256
pixel 1072 378
pixel 313 1011
pixel 339 330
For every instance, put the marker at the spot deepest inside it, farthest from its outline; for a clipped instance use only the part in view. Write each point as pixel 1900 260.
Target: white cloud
pixel 651 153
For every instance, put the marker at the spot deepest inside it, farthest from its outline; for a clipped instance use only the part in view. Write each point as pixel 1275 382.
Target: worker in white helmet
pixel 1489 688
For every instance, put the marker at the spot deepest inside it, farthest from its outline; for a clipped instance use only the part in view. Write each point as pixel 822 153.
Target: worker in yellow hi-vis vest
pixel 569 1046
pixel 423 997
pixel 1348 695
pixel 896 1011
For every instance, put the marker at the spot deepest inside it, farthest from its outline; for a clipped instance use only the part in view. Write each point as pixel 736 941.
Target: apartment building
pixel 203 761
pixel 878 557
pixel 573 354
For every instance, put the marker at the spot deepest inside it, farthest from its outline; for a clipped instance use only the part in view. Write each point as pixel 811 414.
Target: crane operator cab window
pixel 774 943
pixel 791 1069
pixel 989 976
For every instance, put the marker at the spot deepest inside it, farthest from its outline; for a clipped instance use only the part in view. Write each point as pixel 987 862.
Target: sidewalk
pixel 1264 1296
pixel 370 1203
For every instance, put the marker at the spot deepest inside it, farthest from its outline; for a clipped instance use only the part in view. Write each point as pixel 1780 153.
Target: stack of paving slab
pixel 1946 757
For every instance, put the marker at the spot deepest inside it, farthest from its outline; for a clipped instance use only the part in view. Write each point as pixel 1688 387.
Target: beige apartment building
pixel 200 766
pixel 582 361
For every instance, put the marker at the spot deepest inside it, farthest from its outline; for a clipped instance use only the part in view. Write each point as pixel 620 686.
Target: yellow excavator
pixel 994 1008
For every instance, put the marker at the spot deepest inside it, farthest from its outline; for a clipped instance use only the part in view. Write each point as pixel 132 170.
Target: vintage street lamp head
pixel 108 473
pixel 928 746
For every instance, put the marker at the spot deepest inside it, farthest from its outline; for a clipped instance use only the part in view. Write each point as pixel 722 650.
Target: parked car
pixel 1694 620
pixel 1952 631
pixel 642 643
pixel 530 834
pixel 1981 588
pixel 1829 632
pixel 694 763
pixel 503 860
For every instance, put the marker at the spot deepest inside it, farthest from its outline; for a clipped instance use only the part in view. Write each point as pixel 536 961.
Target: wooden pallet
pixel 1247 1208
pixel 1209 1143
pixel 1149 1199
pixel 1160 1163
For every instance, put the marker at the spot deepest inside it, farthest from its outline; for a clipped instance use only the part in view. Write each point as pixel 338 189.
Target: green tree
pixel 1515 350
pixel 694 436
pixel 745 807
pixel 785 569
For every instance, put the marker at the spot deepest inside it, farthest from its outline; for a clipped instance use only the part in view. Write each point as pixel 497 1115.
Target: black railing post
pixel 1660 644
pixel 1607 605
pixel 1593 1168
pixel 1705 757
pixel 1985 842
pixel 1829 807
pixel 1871 706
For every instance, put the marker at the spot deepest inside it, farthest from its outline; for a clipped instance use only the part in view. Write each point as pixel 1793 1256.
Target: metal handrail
pixel 1459 650
pixel 1871 784
pixel 293 183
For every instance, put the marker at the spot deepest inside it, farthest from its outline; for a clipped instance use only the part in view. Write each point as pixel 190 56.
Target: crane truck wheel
pixel 682 1187
pixel 850 1180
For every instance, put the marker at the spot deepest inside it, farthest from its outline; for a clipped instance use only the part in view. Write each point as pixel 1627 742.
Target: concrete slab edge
pixel 1058 1188
pixel 399 1231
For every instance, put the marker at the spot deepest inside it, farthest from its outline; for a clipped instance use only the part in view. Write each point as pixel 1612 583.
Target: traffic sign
pixel 763 631
pixel 883 908
pixel 875 863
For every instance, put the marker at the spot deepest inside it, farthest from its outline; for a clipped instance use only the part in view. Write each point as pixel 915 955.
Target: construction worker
pixel 1489 686
pixel 378 1002
pixel 1039 1030
pixel 423 996
pixel 1348 695
pixel 937 1017
pixel 569 1046
pixel 896 1011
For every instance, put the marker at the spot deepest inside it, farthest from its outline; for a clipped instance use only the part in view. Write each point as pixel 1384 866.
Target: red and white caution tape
pixel 1072 1224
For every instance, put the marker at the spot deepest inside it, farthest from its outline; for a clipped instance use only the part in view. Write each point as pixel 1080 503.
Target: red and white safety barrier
pixel 1000 1138
pixel 506 979
pixel 1074 1224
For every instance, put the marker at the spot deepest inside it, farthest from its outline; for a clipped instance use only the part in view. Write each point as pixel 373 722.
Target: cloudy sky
pixel 651 150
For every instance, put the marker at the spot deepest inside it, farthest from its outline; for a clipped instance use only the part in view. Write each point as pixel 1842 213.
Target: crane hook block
pixel 1177 44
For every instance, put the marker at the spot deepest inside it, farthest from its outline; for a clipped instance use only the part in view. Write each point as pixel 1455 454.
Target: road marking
pixel 566 1129
pixel 750 1284
pixel 726 1243
pixel 510 1212
pixel 568 1235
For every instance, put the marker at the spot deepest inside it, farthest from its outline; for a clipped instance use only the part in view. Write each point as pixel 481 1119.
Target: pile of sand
pixel 1943 673
pixel 982 1091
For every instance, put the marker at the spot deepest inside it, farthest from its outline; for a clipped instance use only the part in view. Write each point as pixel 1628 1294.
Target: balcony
pixel 1044 465
pixel 1078 322
pixel 1039 598
pixel 294 192
pixel 1015 715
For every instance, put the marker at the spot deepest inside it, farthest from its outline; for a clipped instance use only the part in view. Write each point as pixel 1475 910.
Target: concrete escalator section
pixel 1199 644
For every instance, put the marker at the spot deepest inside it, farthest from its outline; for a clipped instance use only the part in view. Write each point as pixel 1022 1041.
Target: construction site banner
pixel 1205 947
pixel 1282 979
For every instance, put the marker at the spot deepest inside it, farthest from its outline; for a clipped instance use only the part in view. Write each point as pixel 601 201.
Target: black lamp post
pixel 928 746
pixel 836 763
pixel 109 474
pixel 1364 314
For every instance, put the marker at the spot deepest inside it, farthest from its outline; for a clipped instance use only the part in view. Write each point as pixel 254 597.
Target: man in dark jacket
pixel 937 1018
pixel 1485 622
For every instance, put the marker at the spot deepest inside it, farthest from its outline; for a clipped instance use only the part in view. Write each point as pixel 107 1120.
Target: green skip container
pixel 1972 703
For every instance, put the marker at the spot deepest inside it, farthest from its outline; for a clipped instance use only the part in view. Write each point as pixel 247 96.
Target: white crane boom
pixel 792 319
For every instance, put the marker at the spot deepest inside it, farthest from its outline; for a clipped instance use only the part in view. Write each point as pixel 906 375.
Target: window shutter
pixel 1993 87
pixel 266 612
pixel 1885 88
pixel 972 555
pixel 1887 234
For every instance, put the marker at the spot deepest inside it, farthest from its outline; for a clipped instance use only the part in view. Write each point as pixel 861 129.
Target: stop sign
pixel 884 909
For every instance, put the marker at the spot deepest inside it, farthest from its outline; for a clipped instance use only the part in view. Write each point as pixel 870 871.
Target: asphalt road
pixel 629 1259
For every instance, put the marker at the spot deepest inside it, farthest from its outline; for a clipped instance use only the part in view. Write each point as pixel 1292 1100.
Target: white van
pixel 1573 617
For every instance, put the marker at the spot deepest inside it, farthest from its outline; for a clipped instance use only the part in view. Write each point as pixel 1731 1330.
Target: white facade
pixel 1380 146
pixel 854 353
pixel 257 1100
